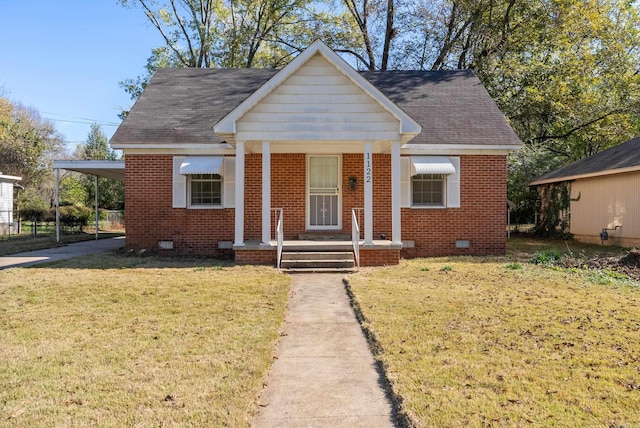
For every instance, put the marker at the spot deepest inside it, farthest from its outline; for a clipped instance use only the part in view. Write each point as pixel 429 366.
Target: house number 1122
pixel 367 168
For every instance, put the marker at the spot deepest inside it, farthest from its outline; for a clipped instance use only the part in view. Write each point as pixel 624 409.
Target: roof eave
pixel 574 177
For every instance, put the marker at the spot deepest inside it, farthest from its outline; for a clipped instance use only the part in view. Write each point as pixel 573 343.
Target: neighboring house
pixel 417 158
pixel 7 184
pixel 605 194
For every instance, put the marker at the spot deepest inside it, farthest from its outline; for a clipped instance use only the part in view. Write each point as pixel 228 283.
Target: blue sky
pixel 66 58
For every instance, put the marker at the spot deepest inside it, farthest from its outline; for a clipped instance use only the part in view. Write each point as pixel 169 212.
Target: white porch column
pixel 239 215
pixel 368 193
pixel 396 197
pixel 266 192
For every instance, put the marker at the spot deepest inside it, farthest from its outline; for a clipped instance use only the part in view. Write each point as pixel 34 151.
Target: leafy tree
pixel 110 192
pixel 234 34
pixel 28 145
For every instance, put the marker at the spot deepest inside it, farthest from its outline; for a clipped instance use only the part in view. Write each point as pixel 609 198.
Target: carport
pixel 97 168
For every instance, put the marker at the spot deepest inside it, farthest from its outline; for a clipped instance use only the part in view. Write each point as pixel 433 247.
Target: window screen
pixel 428 189
pixel 205 189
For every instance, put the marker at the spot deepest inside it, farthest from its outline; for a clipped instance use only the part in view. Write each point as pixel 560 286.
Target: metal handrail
pixel 355 235
pixel 279 236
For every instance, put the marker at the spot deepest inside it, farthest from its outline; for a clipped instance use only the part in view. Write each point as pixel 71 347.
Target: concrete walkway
pixel 69 251
pixel 324 374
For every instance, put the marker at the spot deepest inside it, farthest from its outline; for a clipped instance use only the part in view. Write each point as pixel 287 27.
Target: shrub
pixel 31 214
pixel 546 257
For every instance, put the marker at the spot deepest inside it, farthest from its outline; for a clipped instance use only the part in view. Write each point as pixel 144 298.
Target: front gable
pixel 317 97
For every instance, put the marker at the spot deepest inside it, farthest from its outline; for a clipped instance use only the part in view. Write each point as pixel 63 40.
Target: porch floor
pixel 308 245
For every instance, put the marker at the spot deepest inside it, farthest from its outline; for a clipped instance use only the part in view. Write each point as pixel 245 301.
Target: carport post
pixel 57 204
pixel 96 192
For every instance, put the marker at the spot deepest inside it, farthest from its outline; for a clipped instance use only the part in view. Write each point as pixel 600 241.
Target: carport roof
pixel 101 168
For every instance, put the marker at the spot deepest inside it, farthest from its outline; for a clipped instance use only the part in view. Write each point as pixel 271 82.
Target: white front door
pixel 323 193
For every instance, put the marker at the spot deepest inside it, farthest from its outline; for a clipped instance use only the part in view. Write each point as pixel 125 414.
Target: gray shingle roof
pixel 625 155
pixel 181 105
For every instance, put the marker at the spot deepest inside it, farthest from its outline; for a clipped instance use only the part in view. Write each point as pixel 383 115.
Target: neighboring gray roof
pixel 625 155
pixel 181 105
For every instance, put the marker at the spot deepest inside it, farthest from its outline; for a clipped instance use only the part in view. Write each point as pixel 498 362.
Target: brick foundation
pixel 256 257
pixel 379 257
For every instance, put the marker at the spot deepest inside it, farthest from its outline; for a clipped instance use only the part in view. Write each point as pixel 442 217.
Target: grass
pixel 21 243
pixel 115 340
pixel 503 342
pixel 524 247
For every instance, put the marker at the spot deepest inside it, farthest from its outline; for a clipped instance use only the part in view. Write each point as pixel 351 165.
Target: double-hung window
pixel 428 190
pixel 205 190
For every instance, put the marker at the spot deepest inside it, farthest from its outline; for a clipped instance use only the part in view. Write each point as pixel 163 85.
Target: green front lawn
pixel 113 340
pixel 499 341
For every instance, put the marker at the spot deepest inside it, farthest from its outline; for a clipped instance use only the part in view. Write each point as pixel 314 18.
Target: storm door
pixel 323 193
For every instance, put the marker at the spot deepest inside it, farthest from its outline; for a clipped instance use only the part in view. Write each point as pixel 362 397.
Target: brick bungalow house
pixel 395 163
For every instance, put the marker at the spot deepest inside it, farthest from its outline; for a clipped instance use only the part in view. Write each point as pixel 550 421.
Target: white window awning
pixel 201 165
pixel 431 165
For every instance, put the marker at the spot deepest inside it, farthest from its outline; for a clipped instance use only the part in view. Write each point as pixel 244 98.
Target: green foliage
pixel 547 256
pixel 32 214
pixel 514 266
pixel 72 217
pixel 555 201
pixel 522 168
pixel 72 190
pixel 424 269
pixel 110 192
pixel 28 145
pixel 446 268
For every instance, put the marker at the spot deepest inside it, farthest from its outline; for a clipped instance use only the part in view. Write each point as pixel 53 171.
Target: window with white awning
pixel 203 182
pixel 436 180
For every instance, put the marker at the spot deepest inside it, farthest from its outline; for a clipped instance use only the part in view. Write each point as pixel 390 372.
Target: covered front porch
pixel 349 206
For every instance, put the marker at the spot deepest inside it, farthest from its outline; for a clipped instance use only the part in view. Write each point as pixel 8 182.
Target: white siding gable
pixel 318 103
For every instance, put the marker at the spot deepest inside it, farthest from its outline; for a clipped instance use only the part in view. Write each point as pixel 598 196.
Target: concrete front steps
pixel 317 261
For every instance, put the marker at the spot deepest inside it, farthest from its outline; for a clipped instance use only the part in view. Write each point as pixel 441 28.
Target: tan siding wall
pixel 317 103
pixel 606 202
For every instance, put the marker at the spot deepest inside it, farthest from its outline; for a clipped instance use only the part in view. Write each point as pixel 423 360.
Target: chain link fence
pixel 40 222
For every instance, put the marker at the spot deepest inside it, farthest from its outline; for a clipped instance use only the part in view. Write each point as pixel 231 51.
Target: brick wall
pixel 151 218
pixel 289 190
pixel 379 257
pixel 480 220
pixel 256 257
pixel 353 166
pixel 253 196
